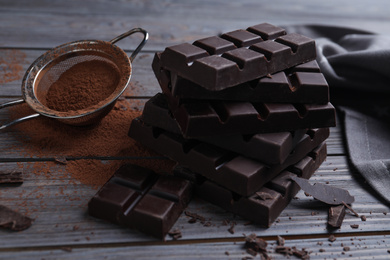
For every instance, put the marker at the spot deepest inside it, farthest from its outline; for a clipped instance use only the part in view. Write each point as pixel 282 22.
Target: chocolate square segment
pixel 139 198
pixel 215 45
pixel 267 31
pixel 242 38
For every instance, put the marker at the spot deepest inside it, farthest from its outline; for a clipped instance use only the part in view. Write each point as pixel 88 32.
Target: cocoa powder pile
pixel 82 86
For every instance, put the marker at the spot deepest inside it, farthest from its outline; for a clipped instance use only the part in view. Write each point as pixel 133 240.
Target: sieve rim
pixel 74 47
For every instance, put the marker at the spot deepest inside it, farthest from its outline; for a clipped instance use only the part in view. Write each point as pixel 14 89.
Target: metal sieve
pixel 48 68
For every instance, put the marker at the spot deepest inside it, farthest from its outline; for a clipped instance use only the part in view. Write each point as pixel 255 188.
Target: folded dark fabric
pixel 356 65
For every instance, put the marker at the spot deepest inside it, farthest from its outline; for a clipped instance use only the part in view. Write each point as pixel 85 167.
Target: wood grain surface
pixel 57 199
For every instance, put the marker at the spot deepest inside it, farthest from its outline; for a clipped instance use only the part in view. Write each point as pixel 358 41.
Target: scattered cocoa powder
pixel 47 138
pixel 10 65
pixel 82 86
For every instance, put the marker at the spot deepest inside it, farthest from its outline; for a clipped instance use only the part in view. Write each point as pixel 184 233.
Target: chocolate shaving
pixel 280 241
pixel 255 245
pixel 336 216
pixel 8 177
pixel 325 193
pixel 61 160
pixel 194 217
pixel 263 195
pixel 175 234
pixel 289 251
pixel 13 220
pixel 351 209
pixel 231 229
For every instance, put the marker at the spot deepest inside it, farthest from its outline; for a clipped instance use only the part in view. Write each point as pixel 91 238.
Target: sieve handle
pixel 12 103
pixel 140 46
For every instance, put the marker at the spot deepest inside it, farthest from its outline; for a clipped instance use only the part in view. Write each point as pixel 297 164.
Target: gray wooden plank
pixel 50 23
pixel 57 200
pixel 350 247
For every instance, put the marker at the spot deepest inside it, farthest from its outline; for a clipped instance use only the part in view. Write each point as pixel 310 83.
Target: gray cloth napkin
pixel 356 65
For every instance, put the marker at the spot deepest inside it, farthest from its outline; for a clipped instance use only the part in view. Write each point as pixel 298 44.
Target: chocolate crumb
pixel 322 250
pixel 263 195
pixel 194 217
pixel 207 224
pixel 346 248
pixel 75 227
pixel 61 160
pixel 66 249
pixel 231 229
pixel 363 217
pixel 280 241
pixel 227 253
pixel 175 234
pixel 255 244
pixel 332 238
pixel 354 226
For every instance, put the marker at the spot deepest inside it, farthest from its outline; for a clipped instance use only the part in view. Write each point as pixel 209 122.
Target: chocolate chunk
pixel 235 172
pixel 281 189
pixel 139 198
pixel 325 193
pixel 254 245
pixel 300 84
pixel 11 177
pixel 336 216
pixel 271 148
pixel 210 118
pixel 13 220
pixel 217 63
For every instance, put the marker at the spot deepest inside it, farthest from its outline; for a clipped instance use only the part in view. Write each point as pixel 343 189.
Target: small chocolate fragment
pixel 336 216
pixel 280 241
pixel 325 193
pixel 11 177
pixel 13 220
pixel 255 245
pixel 139 198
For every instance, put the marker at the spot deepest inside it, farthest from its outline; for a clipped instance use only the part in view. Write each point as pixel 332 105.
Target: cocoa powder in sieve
pixel 82 86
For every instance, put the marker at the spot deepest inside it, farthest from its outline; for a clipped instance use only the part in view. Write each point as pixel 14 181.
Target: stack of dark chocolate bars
pixel 240 113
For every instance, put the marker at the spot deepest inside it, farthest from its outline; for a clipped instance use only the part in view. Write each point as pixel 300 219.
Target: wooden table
pixel 58 200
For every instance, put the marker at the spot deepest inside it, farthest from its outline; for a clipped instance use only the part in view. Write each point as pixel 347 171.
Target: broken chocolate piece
pixel 336 216
pixel 13 220
pixel 11 177
pixel 255 245
pixel 139 198
pixel 325 193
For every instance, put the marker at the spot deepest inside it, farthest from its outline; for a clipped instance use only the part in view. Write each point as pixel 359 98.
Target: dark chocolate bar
pixel 264 206
pixel 235 172
pixel 236 57
pixel 210 118
pixel 300 84
pixel 271 148
pixel 139 198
